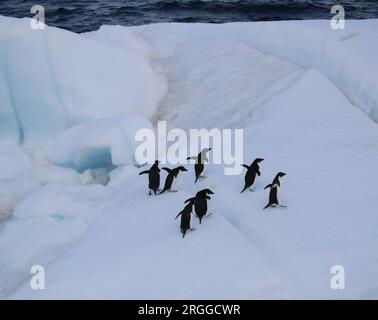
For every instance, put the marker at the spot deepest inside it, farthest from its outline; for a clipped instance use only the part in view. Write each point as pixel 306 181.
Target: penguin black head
pixel 205 191
pixel 257 161
pixel 157 162
pixel 181 168
pixel 206 150
pixel 281 174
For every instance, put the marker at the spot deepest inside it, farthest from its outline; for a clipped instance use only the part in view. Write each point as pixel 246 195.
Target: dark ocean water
pixel 87 15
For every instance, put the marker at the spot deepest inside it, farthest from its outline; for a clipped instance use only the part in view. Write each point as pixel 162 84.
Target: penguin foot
pixel 192 229
pixel 150 193
pixel 173 190
pixel 203 177
pixel 252 189
pixel 282 206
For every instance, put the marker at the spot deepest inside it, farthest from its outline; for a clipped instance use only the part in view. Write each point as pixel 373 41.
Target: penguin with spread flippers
pixel 185 218
pixel 172 177
pixel 153 177
pixel 252 172
pixel 201 160
pixel 275 190
pixel 200 202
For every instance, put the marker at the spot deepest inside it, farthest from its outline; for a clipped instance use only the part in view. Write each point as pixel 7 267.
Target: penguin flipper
pixel 144 172
pixel 268 186
pixel 178 215
pixel 190 199
pixel 245 166
pixel 167 169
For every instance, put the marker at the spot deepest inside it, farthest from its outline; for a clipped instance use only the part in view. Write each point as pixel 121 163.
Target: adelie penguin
pixel 201 160
pixel 250 177
pixel 275 190
pixel 185 218
pixel 200 202
pixel 153 177
pixel 172 177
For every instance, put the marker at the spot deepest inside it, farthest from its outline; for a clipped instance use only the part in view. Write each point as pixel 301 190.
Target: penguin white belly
pixel 203 170
pixel 174 181
pixel 279 191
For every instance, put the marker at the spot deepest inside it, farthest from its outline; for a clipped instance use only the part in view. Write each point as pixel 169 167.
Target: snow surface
pixel 347 57
pixel 13 161
pixel 279 81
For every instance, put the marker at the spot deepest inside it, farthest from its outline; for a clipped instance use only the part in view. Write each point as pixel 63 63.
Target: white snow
pixel 347 57
pixel 291 86
pixel 56 175
pixel 43 225
pixel 97 143
pixel 13 161
pixel 122 173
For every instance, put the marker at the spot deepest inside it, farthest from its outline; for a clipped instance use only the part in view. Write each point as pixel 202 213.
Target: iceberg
pixel 52 79
pixel 291 86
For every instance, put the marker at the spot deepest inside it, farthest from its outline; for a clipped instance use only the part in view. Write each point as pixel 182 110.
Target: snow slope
pixel 347 57
pixel 271 80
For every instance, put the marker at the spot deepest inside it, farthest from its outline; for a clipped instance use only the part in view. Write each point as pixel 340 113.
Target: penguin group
pixel 199 201
pixel 200 207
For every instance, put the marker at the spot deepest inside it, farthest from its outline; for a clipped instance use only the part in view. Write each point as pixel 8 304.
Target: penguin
pixel 250 176
pixel 171 180
pixel 201 160
pixel 200 202
pixel 153 177
pixel 185 218
pixel 275 189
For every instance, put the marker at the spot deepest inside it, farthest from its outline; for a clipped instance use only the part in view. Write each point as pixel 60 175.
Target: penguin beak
pixel 211 192
pixel 262 160
pixel 283 174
